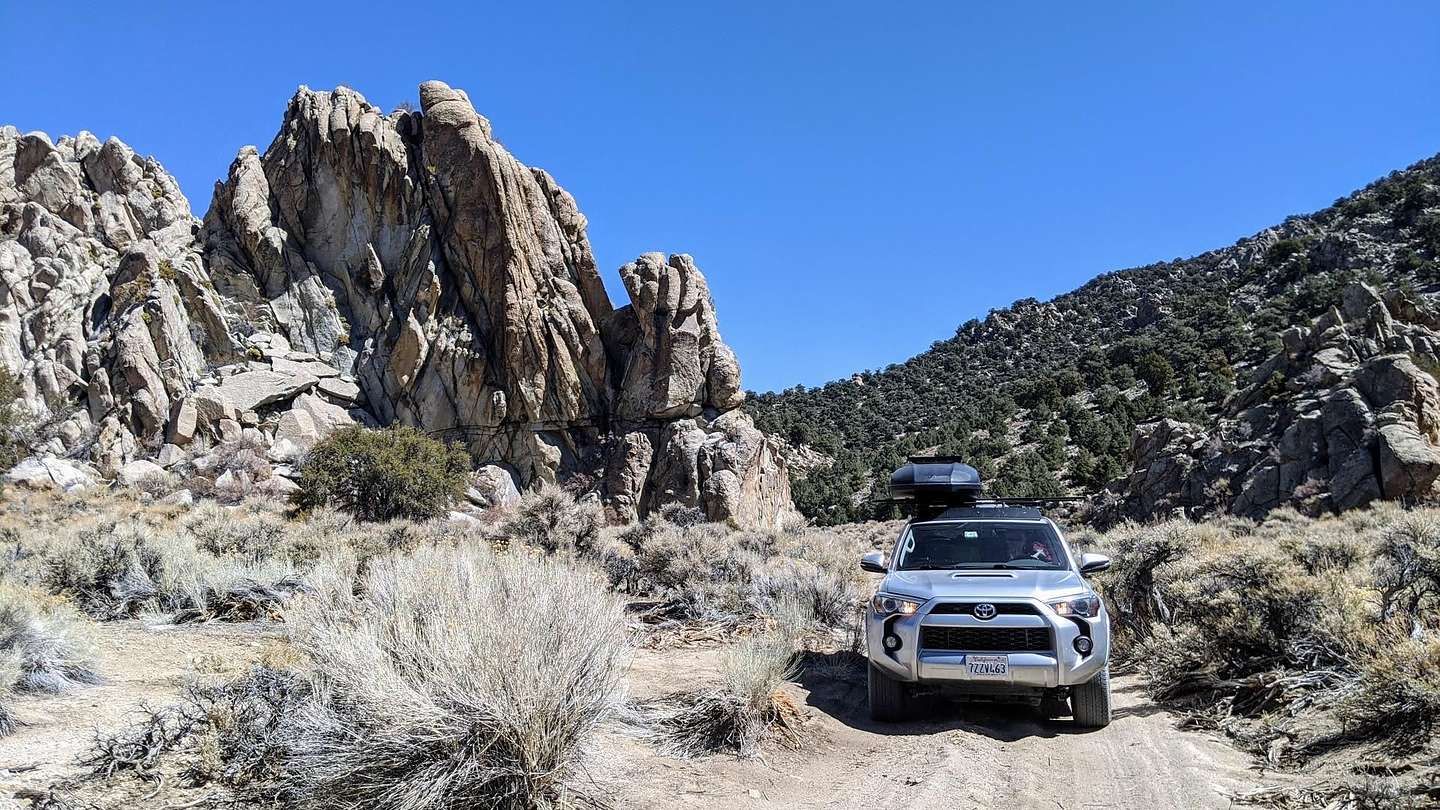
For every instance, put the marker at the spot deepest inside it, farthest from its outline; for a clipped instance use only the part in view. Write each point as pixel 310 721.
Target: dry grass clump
pixel 126 569
pixel 1407 565
pixel 443 678
pixel 1300 638
pixel 740 712
pixel 713 574
pixel 552 520
pixel 44 642
pixel 821 596
pixel 228 473
pixel 251 532
pixel 456 676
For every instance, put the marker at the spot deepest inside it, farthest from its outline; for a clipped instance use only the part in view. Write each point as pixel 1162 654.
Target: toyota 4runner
pixel 984 600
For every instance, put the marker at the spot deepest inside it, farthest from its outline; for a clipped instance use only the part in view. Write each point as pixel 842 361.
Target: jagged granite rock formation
pixel 107 313
pixel 368 267
pixel 1347 413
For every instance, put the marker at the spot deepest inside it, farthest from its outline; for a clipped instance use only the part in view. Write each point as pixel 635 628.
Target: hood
pixel 993 585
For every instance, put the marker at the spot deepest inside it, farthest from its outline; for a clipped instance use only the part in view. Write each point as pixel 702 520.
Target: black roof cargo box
pixel 935 479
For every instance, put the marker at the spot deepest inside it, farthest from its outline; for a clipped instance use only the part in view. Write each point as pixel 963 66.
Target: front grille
pixel 985 639
pixel 1001 608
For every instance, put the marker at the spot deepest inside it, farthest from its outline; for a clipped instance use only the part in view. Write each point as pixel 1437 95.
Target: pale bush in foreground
pixel 1397 698
pixel 44 642
pixel 1303 639
pixel 458 676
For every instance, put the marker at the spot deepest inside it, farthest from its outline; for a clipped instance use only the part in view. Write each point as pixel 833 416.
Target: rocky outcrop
pixel 458 287
pixel 399 268
pixel 675 364
pixel 1347 413
pixel 107 313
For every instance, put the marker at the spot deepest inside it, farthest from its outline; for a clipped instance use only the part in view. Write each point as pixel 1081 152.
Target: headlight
pixel 1087 606
pixel 885 604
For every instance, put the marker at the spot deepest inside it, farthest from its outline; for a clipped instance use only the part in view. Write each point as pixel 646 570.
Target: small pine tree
pixel 1156 372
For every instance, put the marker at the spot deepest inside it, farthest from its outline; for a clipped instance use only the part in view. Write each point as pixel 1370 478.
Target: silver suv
pixel 987 602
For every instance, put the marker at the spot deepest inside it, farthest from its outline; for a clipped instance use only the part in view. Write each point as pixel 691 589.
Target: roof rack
pixel 997 501
pixel 978 507
pixel 928 485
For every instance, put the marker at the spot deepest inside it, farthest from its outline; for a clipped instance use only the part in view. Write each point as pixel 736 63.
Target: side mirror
pixel 874 562
pixel 1092 563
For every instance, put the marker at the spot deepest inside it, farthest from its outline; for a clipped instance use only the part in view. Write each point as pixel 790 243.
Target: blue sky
pixel 856 179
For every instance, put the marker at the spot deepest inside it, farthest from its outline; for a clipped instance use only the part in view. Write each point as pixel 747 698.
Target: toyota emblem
pixel 984 611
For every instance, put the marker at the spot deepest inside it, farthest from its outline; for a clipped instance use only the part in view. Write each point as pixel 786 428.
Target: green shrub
pixel 377 475
pixel 1282 250
pixel 1156 372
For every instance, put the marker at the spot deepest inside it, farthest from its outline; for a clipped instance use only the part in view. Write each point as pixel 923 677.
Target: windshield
pixel 980 544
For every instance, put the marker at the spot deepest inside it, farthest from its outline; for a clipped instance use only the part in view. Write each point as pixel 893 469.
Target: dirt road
pixel 141 665
pixel 952 760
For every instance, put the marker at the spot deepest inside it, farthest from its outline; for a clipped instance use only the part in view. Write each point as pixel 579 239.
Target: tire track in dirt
pixel 953 758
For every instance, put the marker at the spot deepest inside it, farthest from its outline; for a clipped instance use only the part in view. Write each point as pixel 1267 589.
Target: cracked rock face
pixel 107 313
pixel 366 268
pixel 456 286
pixel 1358 420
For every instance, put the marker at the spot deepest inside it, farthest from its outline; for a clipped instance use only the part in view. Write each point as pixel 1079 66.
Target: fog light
pixel 892 642
pixel 1083 645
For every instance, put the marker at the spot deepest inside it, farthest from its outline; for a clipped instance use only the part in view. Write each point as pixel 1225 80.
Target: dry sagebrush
pixel 445 678
pixel 741 711
pixel 455 677
pixel 44 643
pixel 234 563
pixel 9 674
pixel 1301 638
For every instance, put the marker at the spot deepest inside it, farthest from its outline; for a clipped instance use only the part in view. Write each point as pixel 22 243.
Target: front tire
pixel 890 700
pixel 1091 701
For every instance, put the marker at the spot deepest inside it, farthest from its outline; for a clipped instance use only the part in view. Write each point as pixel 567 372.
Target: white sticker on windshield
pixel 971 535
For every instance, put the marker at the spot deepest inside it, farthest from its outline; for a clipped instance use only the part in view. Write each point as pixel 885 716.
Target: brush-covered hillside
pixel 1045 397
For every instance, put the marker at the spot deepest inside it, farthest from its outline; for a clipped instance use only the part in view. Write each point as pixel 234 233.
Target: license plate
pixel 988 666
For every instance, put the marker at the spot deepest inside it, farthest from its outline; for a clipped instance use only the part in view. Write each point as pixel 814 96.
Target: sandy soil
pixel 141 665
pixel 953 759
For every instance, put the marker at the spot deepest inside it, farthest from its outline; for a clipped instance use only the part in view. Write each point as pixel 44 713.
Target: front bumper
pixel 1061 665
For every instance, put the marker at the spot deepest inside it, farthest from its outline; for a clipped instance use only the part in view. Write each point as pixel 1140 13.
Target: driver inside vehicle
pixel 979 544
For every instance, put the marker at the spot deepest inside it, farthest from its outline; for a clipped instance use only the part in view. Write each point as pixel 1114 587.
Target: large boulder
pixel 493 485
pixel 678 365
pixel 51 473
pixel 249 390
pixel 1409 460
